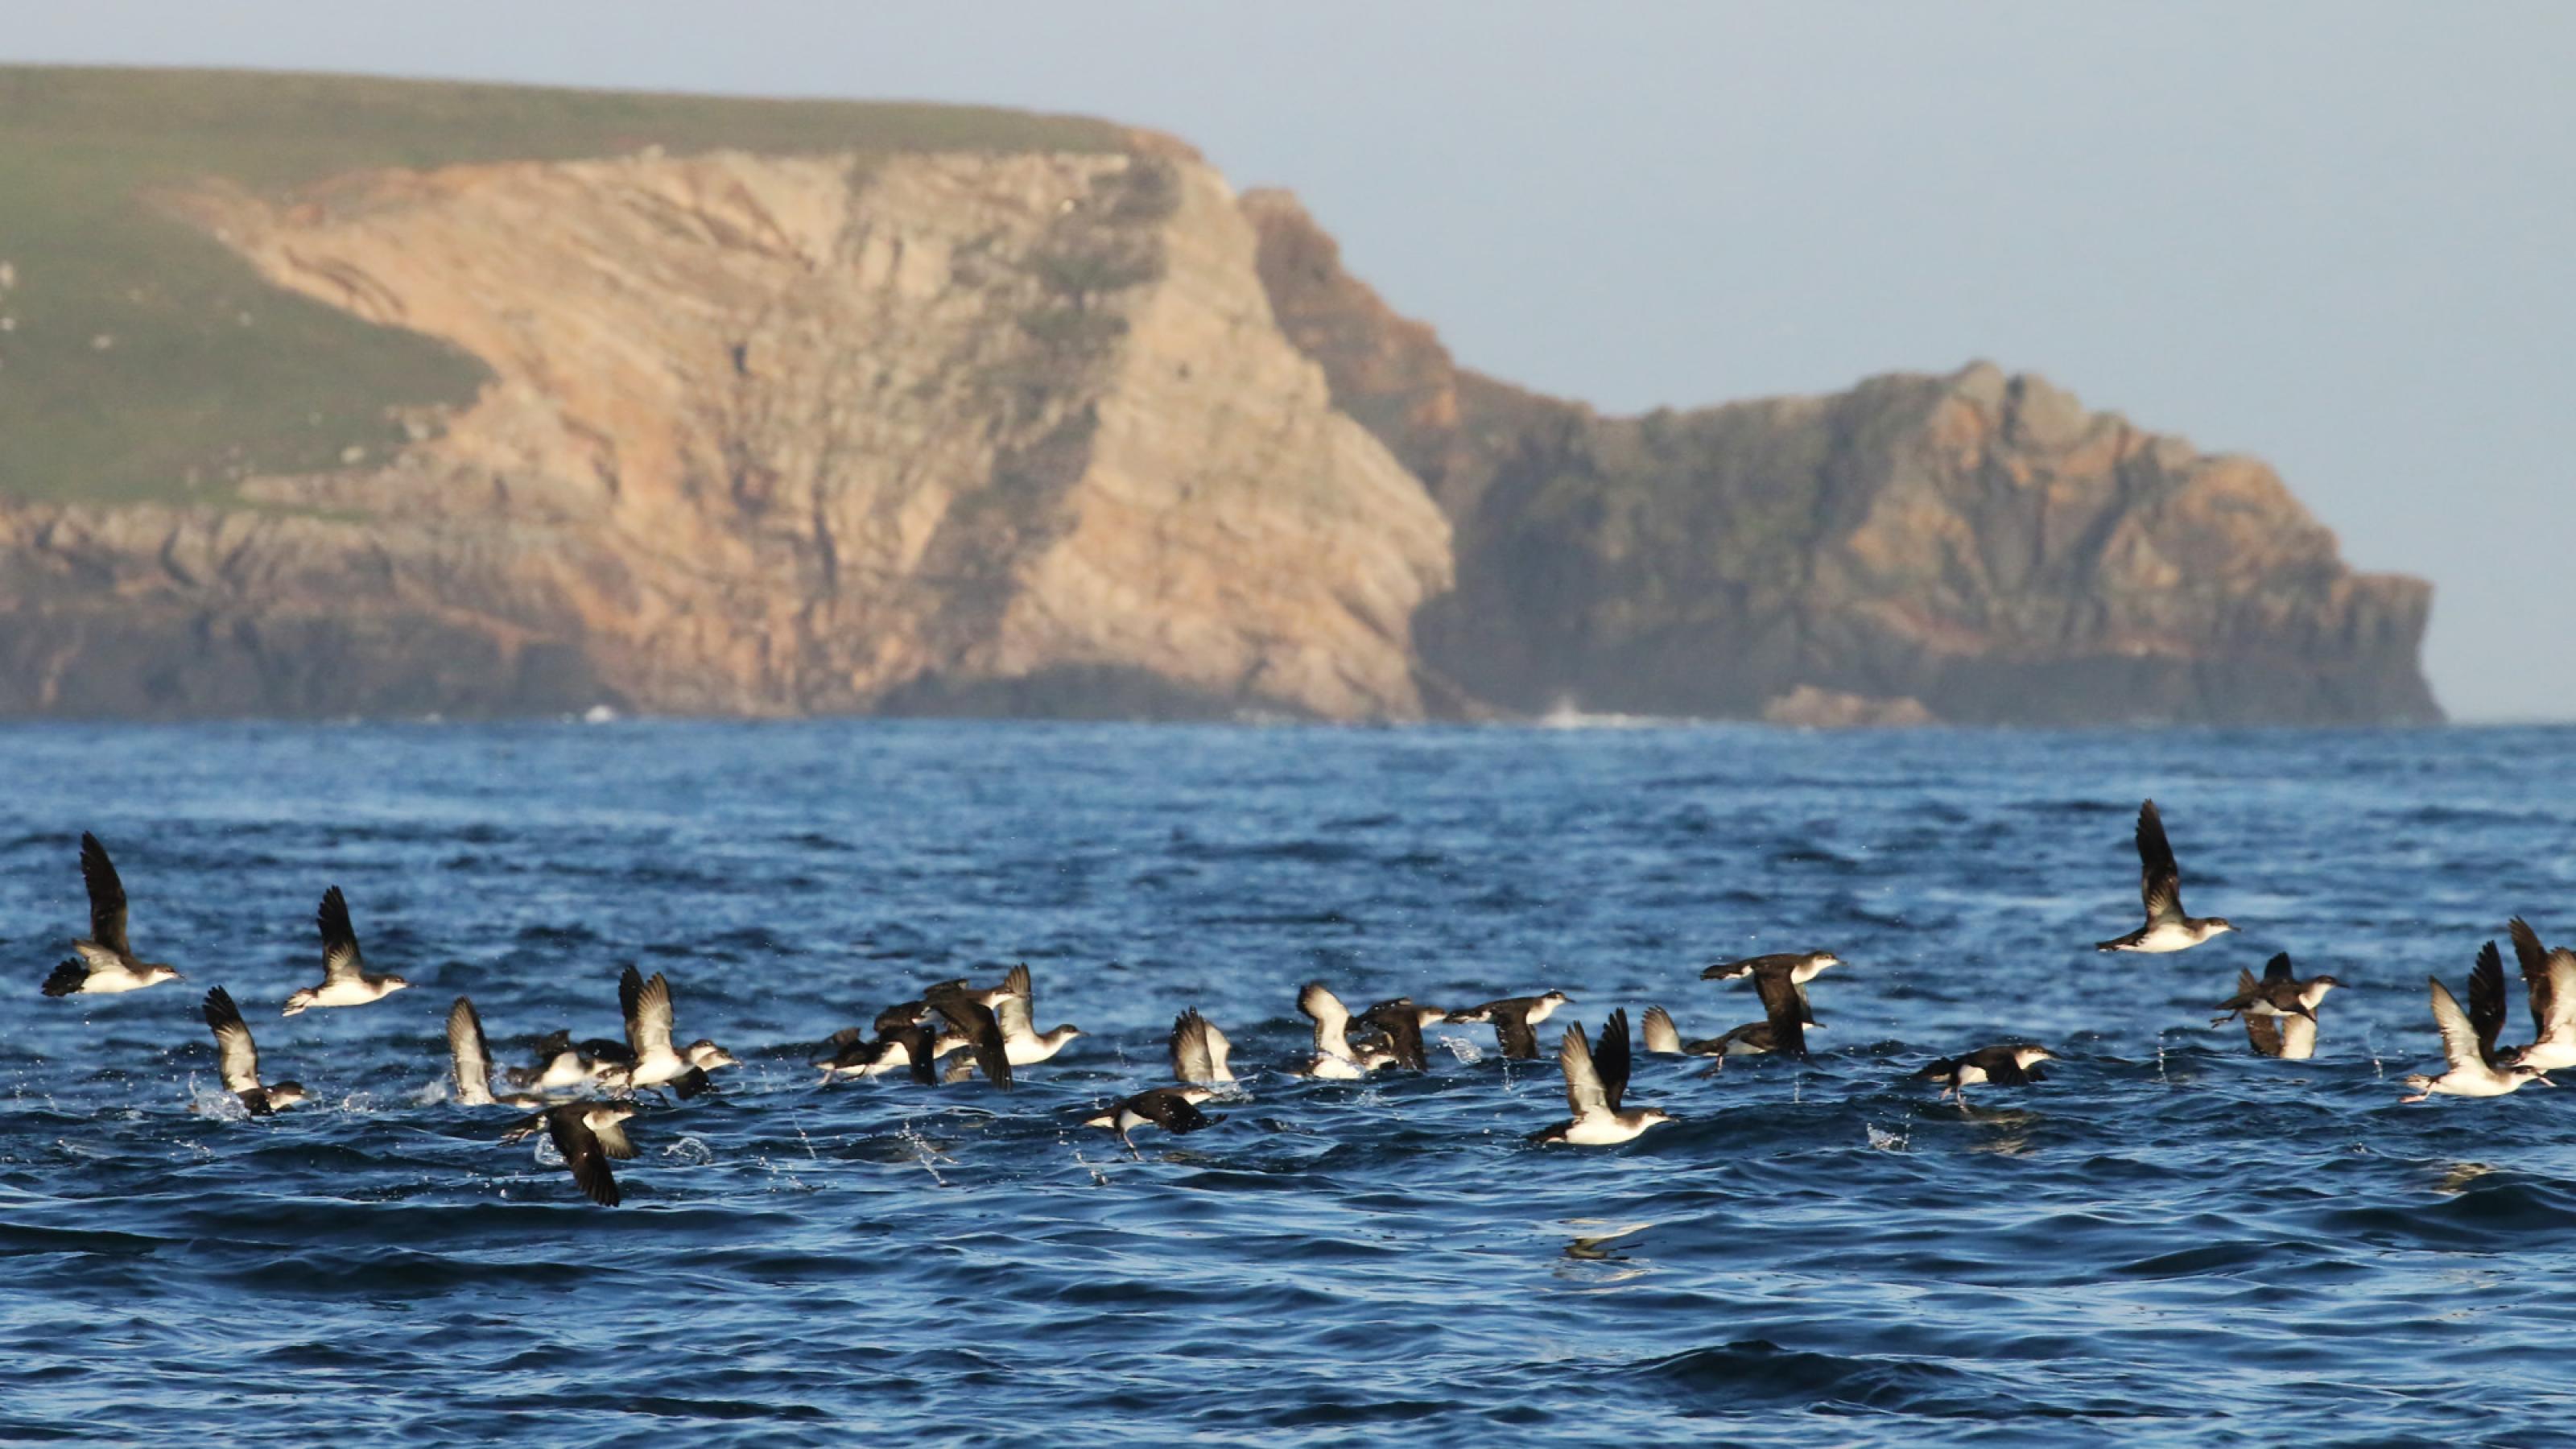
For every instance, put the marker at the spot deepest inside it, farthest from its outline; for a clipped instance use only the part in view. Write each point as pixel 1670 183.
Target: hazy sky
pixel 2341 236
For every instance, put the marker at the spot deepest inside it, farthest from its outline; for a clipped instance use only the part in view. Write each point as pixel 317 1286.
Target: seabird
pixel 1400 1022
pixel 2469 1039
pixel 1780 980
pixel 2291 1038
pixel 588 1134
pixel 1199 1050
pixel 897 1045
pixel 238 1060
pixel 971 1015
pixel 1752 1039
pixel 473 1060
pixel 1174 1109
pixel 2549 979
pixel 1594 1082
pixel 345 981
pixel 1783 970
pixel 1016 1013
pixel 2160 886
pixel 2277 1001
pixel 1335 1058
pixel 2001 1066
pixel 653 1061
pixel 104 964
pixel 1514 1020
pixel 560 1064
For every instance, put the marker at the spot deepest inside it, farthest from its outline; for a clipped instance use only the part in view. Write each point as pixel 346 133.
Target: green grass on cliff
pixel 141 359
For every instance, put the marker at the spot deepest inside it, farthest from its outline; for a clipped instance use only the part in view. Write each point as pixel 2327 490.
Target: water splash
pixel 1886 1141
pixel 690 1150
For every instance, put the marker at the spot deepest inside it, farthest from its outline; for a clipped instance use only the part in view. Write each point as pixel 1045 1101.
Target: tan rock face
pixel 1980 545
pixel 774 434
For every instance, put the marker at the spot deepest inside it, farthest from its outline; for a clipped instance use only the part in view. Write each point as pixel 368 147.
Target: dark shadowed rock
pixel 1979 543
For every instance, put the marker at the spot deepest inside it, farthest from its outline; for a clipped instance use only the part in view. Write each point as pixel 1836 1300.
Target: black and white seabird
pixel 903 1040
pixel 103 963
pixel 1199 1051
pixel 1016 1013
pixel 1595 1079
pixel 588 1134
pixel 1752 1039
pixel 1515 1020
pixel 1782 971
pixel 1174 1109
pixel 2272 1007
pixel 1336 1057
pixel 970 1015
pixel 2477 1069
pixel 2001 1066
pixel 2167 929
pixel 1399 1022
pixel 345 981
pixel 472 1059
pixel 237 1060
pixel 2290 1038
pixel 561 1065
pixel 1780 981
pixel 653 1061
pixel 2549 979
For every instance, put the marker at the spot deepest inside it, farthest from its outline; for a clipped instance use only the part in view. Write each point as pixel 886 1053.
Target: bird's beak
pixel 2544 1081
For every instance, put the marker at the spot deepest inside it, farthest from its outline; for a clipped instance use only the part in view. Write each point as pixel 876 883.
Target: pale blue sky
pixel 2341 236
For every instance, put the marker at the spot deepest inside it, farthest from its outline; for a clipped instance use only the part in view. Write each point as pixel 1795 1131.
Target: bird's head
pixel 2032 1055
pixel 707 1056
pixel 1654 1115
pixel 395 983
pixel 1822 959
pixel 2220 924
pixel 1555 999
pixel 154 975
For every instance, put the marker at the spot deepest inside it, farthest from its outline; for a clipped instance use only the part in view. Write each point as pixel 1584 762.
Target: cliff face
pixel 1976 548
pixel 1076 432
pixel 773 434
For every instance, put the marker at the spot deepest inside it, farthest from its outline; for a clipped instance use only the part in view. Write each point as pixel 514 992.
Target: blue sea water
pixel 2168 1241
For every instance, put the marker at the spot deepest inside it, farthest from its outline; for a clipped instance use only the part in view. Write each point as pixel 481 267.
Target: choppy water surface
pixel 2168 1240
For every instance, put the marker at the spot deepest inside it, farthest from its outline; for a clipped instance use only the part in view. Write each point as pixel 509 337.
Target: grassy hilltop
pixel 143 360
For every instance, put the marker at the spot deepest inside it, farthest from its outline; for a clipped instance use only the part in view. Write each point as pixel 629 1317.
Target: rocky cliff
pixel 1974 548
pixel 1031 417
pixel 772 434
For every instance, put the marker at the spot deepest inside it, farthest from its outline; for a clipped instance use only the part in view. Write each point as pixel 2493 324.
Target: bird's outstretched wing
pixel 341 960
pixel 2486 1000
pixel 1610 1057
pixel 2459 1039
pixel 1583 1091
pixel 582 1152
pixel 2159 878
pixel 466 1048
pixel 646 1003
pixel 1332 1019
pixel 106 896
pixel 235 1057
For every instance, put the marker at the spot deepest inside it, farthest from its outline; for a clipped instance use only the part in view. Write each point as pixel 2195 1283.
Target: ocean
pixel 2170 1240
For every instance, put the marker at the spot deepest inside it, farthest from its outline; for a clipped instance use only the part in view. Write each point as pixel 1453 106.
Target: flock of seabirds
pixel 582 1093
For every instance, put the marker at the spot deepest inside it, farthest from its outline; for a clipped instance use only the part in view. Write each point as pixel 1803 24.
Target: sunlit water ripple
pixel 2169 1240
